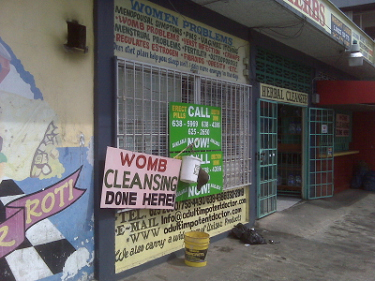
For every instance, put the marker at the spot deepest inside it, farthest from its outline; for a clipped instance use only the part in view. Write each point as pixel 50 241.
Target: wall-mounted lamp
pixel 246 71
pixel 355 57
pixel 315 98
pixel 76 37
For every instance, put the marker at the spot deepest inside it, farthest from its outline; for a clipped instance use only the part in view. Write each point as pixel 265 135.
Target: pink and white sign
pixel 139 181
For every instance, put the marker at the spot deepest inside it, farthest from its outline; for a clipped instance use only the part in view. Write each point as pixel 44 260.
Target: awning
pixel 353 95
pixel 279 20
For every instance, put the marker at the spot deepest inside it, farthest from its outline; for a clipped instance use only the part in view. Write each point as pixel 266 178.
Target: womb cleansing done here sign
pixel 137 180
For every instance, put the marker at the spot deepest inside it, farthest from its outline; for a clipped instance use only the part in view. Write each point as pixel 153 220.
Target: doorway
pixel 289 145
pixel 279 155
pixel 295 156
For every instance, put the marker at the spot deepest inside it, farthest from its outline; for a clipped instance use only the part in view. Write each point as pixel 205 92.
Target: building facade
pixel 242 86
pixel 361 13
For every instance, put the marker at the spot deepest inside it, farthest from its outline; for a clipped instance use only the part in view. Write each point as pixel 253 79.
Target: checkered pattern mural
pixel 44 251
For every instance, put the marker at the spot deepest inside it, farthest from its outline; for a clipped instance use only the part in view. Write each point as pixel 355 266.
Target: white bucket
pixel 190 169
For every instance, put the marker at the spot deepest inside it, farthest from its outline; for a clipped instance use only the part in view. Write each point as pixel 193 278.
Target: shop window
pixel 143 95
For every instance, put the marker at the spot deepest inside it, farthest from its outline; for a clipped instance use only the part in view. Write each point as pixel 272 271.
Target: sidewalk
pixel 325 239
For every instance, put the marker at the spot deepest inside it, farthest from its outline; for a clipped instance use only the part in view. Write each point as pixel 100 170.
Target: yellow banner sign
pixel 284 95
pixel 152 34
pixel 144 235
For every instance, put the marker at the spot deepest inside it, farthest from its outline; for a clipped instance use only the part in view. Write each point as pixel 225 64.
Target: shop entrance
pixel 294 155
pixel 280 154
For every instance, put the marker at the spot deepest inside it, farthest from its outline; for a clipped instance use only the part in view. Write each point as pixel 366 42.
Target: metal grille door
pixel 267 158
pixel 321 141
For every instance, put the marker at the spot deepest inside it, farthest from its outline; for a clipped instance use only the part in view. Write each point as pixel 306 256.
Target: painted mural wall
pixel 46 130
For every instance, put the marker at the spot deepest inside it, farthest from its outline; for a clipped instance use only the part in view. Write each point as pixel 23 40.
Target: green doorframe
pixel 320 167
pixel 266 157
pixel 317 151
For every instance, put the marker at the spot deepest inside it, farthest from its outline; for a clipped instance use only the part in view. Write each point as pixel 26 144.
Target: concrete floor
pixel 324 239
pixel 284 202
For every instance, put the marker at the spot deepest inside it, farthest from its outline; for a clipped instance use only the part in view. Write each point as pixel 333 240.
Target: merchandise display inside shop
pixel 289 171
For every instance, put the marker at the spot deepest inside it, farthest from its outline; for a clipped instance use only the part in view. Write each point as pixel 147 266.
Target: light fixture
pixel 76 37
pixel 355 57
pixel 315 98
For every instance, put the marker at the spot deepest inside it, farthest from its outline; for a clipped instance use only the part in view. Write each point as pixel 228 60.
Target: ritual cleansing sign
pixel 139 180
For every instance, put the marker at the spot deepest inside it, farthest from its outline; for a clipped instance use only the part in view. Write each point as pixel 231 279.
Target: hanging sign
pixel 340 31
pixel 193 123
pixel 137 180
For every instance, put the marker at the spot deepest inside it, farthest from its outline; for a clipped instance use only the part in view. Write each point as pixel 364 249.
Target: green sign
pixel 212 163
pixel 199 125
pixel 193 123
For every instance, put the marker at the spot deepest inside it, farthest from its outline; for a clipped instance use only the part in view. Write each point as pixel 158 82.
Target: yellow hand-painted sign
pixel 283 95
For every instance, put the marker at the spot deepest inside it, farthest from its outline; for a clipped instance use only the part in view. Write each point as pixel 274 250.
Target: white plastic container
pixel 190 169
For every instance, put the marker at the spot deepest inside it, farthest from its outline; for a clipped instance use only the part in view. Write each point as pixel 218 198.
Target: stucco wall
pixel 46 131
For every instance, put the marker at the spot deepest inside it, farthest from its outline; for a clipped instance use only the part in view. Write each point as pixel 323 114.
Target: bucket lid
pixel 191 157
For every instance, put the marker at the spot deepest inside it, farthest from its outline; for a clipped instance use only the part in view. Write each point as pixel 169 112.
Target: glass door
pixel 321 160
pixel 267 158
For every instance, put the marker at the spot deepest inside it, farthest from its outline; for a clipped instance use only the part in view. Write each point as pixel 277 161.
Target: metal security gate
pixel 267 158
pixel 143 94
pixel 320 153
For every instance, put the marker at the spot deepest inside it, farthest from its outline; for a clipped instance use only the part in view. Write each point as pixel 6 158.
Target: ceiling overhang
pixel 281 22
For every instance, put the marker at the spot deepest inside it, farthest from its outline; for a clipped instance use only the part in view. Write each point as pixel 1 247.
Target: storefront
pixel 179 76
pixel 295 140
pixel 295 148
pixel 243 87
pixel 181 89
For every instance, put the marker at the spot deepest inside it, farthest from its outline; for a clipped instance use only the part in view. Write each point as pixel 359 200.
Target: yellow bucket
pixel 196 246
